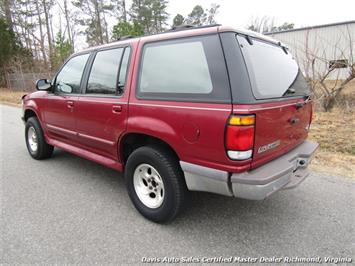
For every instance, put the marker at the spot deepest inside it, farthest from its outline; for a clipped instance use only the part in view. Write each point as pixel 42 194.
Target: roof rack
pixel 173 29
pixel 190 27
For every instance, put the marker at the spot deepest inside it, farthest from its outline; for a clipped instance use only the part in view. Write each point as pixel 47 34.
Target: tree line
pixel 267 24
pixel 32 41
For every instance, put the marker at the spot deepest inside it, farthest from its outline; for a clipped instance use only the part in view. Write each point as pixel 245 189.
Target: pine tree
pixel 197 17
pixel 62 50
pixel 151 14
pixel 123 28
pixel 178 20
pixel 93 17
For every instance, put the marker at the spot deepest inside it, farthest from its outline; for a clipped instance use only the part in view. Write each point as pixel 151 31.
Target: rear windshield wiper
pixel 249 40
pixel 289 89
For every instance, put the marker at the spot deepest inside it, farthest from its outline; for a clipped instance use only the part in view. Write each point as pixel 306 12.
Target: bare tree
pixel 69 28
pixel 261 24
pixel 319 70
pixel 40 24
pixel 47 5
pixel 267 24
pixel 212 13
pixel 6 8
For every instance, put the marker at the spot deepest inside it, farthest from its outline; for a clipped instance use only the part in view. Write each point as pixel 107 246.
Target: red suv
pixel 209 109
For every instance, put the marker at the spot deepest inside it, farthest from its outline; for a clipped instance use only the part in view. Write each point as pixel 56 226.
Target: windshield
pixel 273 71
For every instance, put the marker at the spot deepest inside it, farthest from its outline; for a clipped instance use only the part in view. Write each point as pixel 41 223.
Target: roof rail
pixel 190 27
pixel 125 37
pixel 181 27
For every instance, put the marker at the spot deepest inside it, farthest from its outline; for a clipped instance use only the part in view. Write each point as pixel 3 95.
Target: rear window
pixel 188 69
pixel 273 71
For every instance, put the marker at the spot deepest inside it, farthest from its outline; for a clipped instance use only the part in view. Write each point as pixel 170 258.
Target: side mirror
pixel 43 85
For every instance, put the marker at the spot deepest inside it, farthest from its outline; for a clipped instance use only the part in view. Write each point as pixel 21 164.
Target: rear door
pixel 102 109
pixel 279 98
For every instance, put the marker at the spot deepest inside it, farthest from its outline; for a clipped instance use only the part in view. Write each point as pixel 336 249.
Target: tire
pixel 165 179
pixel 35 142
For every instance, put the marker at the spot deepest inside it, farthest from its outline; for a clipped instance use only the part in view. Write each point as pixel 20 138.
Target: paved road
pixel 70 210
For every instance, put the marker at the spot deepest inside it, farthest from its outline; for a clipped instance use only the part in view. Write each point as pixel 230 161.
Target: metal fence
pixel 24 81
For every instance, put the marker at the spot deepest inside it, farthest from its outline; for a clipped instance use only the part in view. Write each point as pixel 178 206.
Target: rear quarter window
pixel 188 69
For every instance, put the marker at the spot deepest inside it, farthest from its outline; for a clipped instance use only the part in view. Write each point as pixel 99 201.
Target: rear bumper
pixel 287 171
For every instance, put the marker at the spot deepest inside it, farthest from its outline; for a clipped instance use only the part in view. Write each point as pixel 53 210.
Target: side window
pixel 175 68
pixel 191 69
pixel 69 78
pixel 104 71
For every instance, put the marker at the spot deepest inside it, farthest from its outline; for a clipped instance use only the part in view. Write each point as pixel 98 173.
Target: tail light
pixel 240 136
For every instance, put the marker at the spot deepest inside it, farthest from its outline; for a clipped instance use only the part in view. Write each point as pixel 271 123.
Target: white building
pixel 319 48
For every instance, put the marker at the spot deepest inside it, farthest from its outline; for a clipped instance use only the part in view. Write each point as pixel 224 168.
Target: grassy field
pixel 11 97
pixel 334 131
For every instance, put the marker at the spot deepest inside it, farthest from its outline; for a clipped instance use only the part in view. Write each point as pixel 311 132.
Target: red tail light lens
pixel 240 138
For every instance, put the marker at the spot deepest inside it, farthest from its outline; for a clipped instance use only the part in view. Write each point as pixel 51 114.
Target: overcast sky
pixel 301 12
pixel 237 13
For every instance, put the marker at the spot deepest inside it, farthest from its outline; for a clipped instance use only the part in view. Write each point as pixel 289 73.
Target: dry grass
pixel 334 131
pixel 334 163
pixel 348 89
pixel 346 100
pixel 11 97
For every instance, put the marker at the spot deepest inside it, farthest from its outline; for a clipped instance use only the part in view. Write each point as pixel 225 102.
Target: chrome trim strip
pixel 180 107
pixel 73 133
pixel 262 108
pixel 111 143
pixel 60 129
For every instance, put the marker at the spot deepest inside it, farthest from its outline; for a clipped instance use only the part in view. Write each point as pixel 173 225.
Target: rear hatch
pixel 280 98
pixel 279 128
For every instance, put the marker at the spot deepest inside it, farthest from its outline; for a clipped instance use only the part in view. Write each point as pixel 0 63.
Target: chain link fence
pixel 24 81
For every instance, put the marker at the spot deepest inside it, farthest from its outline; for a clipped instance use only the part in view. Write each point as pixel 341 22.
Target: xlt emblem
pixel 269 146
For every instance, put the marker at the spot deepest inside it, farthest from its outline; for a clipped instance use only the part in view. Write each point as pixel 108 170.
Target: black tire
pixel 167 166
pixel 43 150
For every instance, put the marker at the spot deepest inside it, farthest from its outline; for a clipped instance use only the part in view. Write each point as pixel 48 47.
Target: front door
pixel 60 109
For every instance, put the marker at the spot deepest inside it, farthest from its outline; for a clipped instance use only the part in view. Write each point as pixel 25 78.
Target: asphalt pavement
pixel 68 210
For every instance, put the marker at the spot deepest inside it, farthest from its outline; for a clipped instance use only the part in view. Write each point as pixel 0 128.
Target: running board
pixel 86 154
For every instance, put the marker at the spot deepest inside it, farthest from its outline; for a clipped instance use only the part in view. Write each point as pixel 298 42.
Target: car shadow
pixel 205 212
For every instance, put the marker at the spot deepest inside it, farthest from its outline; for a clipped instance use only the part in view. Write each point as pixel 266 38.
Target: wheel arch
pixel 133 140
pixel 29 113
